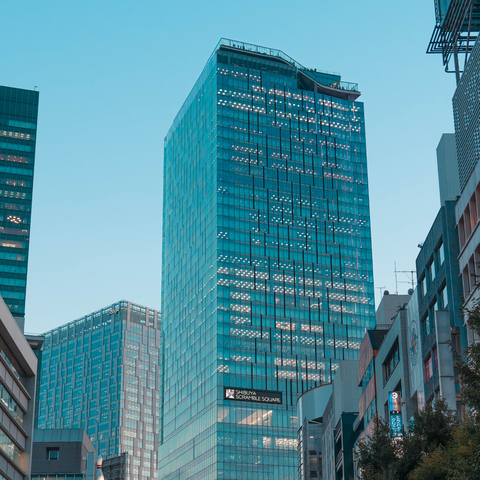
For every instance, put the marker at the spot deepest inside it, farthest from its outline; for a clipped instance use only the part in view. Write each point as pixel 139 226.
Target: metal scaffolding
pixel 115 468
pixel 456 30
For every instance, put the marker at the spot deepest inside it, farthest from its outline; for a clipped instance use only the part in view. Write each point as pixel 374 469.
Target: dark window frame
pixel 51 453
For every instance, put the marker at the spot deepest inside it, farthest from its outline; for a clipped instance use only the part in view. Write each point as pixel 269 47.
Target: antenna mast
pixel 410 274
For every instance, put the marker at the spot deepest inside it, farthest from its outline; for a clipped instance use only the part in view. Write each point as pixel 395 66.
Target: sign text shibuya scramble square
pixel 249 395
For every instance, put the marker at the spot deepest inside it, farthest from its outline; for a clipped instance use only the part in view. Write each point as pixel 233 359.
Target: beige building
pixel 18 368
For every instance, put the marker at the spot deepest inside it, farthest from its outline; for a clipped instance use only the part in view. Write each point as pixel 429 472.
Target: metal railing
pixel 273 52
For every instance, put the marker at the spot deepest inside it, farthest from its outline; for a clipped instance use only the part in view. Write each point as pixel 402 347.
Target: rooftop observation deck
pixel 323 82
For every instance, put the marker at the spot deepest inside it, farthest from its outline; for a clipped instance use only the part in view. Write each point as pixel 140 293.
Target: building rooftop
pixel 326 79
pixel 104 315
pixel 53 435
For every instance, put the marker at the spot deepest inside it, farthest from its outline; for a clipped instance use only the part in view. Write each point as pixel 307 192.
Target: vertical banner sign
pixel 395 407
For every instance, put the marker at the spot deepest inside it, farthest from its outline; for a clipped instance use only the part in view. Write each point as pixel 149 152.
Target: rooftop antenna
pixel 396 279
pixel 410 274
pixel 381 290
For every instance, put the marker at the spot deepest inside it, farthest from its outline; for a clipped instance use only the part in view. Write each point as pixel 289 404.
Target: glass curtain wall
pixel 103 372
pixel 267 267
pixel 18 131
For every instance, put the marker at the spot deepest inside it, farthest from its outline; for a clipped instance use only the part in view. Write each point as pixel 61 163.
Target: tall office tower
pixel 103 373
pixel 456 36
pixel 18 128
pixel 267 267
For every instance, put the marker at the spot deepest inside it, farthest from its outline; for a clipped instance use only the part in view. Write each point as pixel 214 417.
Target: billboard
pixel 251 395
pixel 415 363
pixel 395 408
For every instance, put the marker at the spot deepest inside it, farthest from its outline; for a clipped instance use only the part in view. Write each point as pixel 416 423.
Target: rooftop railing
pixel 339 85
pixel 273 52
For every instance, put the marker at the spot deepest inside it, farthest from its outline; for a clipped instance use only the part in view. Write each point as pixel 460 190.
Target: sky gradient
pixel 112 76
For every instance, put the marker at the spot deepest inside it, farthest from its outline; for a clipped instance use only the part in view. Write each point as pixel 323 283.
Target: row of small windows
pixel 18 159
pixel 341 205
pixel 322 178
pixel 440 302
pixel 430 365
pixel 8 402
pixel 471 273
pixel 253 69
pixel 290 100
pixel 16 123
pixel 263 83
pixel 391 362
pixel 359 191
pixel 469 219
pixel 433 266
pixel 299 121
pixel 16 146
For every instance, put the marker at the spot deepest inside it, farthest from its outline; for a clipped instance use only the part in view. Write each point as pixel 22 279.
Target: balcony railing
pixel 273 52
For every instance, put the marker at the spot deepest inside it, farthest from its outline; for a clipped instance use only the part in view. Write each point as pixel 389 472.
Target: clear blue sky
pixel 113 74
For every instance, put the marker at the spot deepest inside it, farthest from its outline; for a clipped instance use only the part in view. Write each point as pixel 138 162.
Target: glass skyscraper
pixel 267 262
pixel 104 373
pixel 18 127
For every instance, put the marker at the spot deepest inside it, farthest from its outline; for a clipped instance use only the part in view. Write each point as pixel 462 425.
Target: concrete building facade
pixel 447 164
pixel 339 417
pixel 467 217
pixel 392 367
pixel 311 408
pixel 63 454
pixel 325 426
pixel 466 112
pixel 18 367
pixel 367 381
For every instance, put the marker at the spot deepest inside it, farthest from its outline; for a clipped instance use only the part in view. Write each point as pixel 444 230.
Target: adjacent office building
pixel 386 383
pixel 368 370
pixel 115 468
pixel 339 418
pixel 367 381
pixel 393 374
pixel 103 373
pixel 267 272
pixel 456 37
pixel 326 416
pixel 310 411
pixel 466 108
pixel 18 128
pixel 18 367
pixel 439 304
pixel 65 454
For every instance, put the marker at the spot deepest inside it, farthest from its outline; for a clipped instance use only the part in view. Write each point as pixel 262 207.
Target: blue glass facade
pixel 104 373
pixel 18 127
pixel 267 267
pixel 440 285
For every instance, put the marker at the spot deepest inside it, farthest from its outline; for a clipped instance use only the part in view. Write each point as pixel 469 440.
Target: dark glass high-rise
pixel 18 129
pixel 267 261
